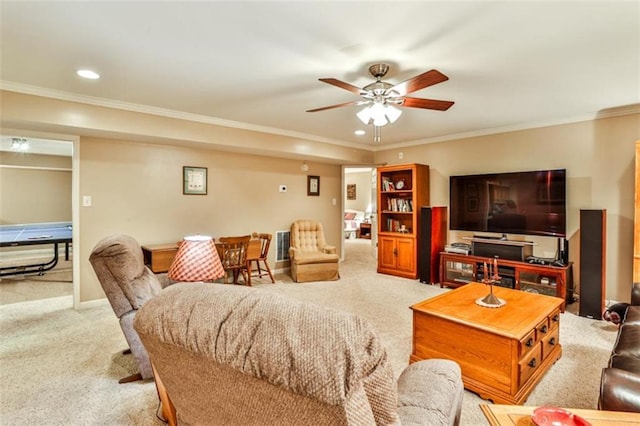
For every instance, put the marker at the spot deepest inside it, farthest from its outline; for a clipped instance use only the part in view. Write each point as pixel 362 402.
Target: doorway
pixel 37 190
pixel 359 234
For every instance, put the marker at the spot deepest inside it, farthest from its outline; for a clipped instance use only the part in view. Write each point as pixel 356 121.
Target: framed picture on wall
pixel 351 191
pixel 194 180
pixel 313 185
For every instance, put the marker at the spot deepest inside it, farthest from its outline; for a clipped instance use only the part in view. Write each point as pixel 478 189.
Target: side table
pixel 365 230
pixel 158 257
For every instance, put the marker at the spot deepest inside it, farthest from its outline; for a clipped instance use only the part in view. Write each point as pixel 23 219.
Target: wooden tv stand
pixel 459 269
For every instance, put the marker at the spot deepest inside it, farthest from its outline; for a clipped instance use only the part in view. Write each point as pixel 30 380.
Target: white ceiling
pixel 510 65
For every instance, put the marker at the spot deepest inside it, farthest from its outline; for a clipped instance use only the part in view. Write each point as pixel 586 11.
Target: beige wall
pixel 34 188
pixel 598 156
pixel 136 189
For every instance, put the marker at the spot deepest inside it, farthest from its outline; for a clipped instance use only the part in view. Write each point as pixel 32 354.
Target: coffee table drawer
pixel 550 341
pixel 528 343
pixel 554 319
pixel 542 329
pixel 528 365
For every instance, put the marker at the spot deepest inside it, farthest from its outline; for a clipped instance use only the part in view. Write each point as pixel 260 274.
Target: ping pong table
pixel 35 234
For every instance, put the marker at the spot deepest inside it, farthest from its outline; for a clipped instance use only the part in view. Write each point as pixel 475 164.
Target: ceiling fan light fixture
pixel 392 113
pixel 379 115
pixel 365 115
pixel 382 99
pixel 379 121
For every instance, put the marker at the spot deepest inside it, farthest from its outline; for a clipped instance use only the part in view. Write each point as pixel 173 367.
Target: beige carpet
pixel 60 366
pixel 54 283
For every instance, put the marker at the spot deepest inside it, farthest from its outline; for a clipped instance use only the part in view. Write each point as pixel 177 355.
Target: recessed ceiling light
pixel 19 144
pixel 359 132
pixel 91 75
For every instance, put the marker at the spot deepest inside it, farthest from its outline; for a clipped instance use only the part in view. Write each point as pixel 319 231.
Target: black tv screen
pixel 530 203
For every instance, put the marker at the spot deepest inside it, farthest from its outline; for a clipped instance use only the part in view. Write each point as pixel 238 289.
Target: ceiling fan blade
pixel 337 106
pixel 343 85
pixel 427 103
pixel 418 82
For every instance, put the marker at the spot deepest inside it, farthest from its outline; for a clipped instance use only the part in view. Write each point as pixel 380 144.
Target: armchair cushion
pixel 619 390
pixel 309 258
pixel 430 392
pixel 329 249
pixel 308 236
pixel 126 281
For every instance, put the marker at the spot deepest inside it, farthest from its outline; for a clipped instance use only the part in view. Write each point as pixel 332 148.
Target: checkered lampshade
pixel 197 260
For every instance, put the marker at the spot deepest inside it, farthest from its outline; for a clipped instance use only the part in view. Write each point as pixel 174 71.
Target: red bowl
pixel 553 416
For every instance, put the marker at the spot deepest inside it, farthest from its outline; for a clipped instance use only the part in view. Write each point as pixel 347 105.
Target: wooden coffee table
pixel 510 415
pixel 502 352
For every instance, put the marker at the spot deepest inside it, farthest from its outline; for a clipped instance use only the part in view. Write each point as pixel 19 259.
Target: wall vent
pixel 282 245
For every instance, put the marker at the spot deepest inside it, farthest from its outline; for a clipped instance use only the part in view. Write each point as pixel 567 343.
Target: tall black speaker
pixel 563 250
pixel 593 238
pixel 432 237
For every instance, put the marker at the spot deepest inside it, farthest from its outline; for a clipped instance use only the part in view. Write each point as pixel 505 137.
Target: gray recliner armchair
pixel 118 263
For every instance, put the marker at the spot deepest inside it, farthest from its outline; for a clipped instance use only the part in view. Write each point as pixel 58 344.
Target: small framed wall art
pixel 194 180
pixel 351 191
pixel 313 185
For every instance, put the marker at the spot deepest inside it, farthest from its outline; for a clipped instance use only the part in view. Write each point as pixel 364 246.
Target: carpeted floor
pixel 61 366
pixel 54 283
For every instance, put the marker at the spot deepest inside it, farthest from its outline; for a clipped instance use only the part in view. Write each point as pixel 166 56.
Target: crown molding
pixel 163 112
pixel 607 113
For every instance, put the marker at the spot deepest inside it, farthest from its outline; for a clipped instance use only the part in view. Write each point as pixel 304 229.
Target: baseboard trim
pixel 93 303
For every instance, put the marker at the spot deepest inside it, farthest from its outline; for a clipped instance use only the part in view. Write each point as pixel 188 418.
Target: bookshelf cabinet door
pixel 406 255
pixel 387 249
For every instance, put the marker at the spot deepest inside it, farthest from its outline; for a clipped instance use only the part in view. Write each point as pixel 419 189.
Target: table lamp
pixel 197 260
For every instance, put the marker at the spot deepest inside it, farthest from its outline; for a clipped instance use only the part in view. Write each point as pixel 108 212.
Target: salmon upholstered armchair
pixel 236 355
pixel 312 259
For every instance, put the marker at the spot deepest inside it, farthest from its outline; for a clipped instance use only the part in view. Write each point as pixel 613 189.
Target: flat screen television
pixel 529 203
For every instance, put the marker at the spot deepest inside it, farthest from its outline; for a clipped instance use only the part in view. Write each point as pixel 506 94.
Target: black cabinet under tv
pixel 459 269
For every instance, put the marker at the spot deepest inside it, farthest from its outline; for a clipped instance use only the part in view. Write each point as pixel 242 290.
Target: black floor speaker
pixel 432 237
pixel 593 238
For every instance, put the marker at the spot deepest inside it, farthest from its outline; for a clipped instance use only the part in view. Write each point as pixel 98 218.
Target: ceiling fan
pixel 381 97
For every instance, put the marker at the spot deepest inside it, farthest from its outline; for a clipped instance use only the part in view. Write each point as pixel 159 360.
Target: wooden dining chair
pixel 233 255
pixel 258 251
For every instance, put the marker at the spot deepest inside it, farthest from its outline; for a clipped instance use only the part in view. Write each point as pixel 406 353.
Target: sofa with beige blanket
pixel 226 355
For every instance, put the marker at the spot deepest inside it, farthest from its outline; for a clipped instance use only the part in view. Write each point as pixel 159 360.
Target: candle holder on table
pixel 491 277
